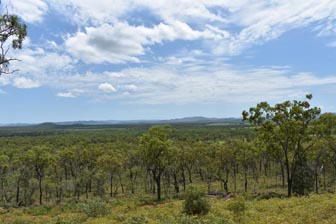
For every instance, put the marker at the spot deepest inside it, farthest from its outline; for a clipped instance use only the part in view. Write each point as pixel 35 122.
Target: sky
pixel 152 59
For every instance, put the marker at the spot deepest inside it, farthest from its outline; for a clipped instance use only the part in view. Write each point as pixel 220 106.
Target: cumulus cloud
pixel 253 23
pixel 106 87
pixel 212 29
pixel 25 83
pixel 122 42
pixel 225 27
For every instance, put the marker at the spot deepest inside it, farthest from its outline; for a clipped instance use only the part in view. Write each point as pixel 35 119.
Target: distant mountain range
pixel 197 119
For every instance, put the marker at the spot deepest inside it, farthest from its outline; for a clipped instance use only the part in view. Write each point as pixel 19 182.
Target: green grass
pixel 312 209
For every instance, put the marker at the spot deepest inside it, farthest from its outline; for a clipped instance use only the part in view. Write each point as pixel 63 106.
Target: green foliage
pixel 11 29
pixel 74 165
pixel 287 126
pixel 237 206
pixel 22 221
pixel 195 202
pixel 39 210
pixel 269 195
pixel 156 152
pixel 303 179
pixel 185 219
pixel 140 219
pixel 95 208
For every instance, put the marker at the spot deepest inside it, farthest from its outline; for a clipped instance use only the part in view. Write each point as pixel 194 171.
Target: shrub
pixel 21 221
pixel 136 220
pixel 94 208
pixel 202 220
pixel 195 202
pixel 237 206
pixel 39 210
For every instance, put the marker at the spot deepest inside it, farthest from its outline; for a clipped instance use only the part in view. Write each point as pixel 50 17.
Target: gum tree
pixel 288 125
pixel 155 151
pixel 12 33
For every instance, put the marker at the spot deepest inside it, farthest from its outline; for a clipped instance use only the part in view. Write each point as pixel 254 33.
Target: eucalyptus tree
pixel 225 161
pixel 327 127
pixel 132 164
pixel 13 30
pixel 206 165
pixel 4 167
pixel 156 153
pixel 40 158
pixel 246 155
pixel 111 163
pixel 286 124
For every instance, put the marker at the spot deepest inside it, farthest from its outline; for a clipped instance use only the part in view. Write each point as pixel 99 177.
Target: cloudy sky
pixel 153 59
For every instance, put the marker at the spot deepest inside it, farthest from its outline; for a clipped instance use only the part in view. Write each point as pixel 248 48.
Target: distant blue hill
pixel 197 119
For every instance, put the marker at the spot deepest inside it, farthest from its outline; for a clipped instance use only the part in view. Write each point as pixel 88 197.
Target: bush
pixel 39 210
pixel 136 220
pixel 269 195
pixel 195 202
pixel 237 206
pixel 202 220
pixel 303 178
pixel 94 208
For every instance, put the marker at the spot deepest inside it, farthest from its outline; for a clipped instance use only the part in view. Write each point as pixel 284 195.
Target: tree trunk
pixel 316 180
pixel 158 186
pixel 282 173
pixel 183 180
pixel 176 183
pixel 189 174
pixel 111 185
pixel 40 188
pixel 324 179
pixel 121 184
pixel 226 188
pixel 235 178
pixel 289 189
pixel 245 179
pixel 87 190
pixel 18 192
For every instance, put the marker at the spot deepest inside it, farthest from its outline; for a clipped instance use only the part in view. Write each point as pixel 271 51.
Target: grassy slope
pixel 313 209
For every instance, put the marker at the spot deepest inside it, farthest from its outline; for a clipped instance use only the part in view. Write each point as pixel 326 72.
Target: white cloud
pixel 164 84
pixel 106 34
pixel 227 27
pixel 25 83
pixel 34 61
pixel 71 93
pixel 66 95
pixel 122 42
pixel 5 79
pixel 88 11
pixel 114 44
pixel 29 10
pixel 262 21
pixel 131 87
pixel 106 87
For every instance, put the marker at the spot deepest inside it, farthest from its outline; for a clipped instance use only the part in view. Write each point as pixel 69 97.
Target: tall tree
pixel 155 147
pixel 40 158
pixel 288 125
pixel 14 30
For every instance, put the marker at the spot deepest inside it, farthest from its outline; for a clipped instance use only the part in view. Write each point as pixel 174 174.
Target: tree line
pixel 294 147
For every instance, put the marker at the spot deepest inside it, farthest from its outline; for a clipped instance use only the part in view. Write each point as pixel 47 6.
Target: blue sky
pixel 152 59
